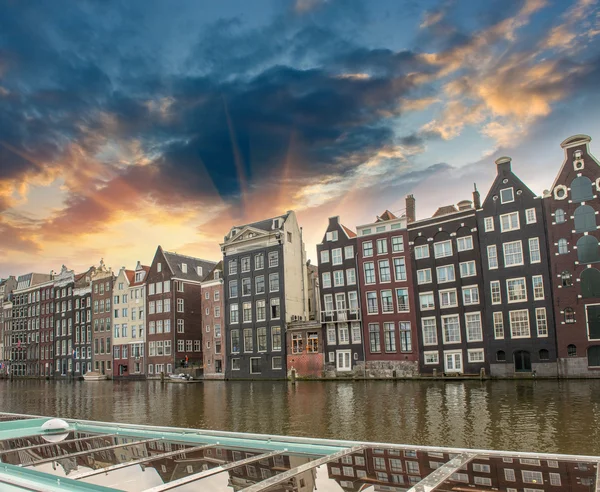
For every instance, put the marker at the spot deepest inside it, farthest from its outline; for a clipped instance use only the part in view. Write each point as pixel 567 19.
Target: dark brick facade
pixel 101 307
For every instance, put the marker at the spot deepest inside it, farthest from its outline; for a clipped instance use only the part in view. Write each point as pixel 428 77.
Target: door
pixel 343 360
pixel 453 362
pixel 522 361
pixel 101 367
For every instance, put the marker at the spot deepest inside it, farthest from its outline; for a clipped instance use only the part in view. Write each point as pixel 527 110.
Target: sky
pixel 129 124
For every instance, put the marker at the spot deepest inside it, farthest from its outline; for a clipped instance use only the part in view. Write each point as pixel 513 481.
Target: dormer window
pixel 199 270
pixel 184 267
pixel 139 276
pixel 159 267
pixel 275 223
pixel 217 274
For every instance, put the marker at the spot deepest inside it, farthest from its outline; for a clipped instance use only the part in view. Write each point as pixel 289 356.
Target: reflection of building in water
pixel 398 470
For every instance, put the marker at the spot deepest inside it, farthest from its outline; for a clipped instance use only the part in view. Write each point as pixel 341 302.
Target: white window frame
pixel 470 288
pixel 464 239
pixel 535 242
pixel 498 325
pixel 512 191
pixel 324 256
pixel 530 216
pixel 538 312
pixel 442 244
pixel 492 265
pixel 337 257
pixel 419 249
pixel 471 352
pixel 521 280
pixel 426 273
pixel 445 268
pixel 447 291
pixel 434 357
pixel 488 224
pixel 480 338
pixel 495 283
pixel 428 308
pixel 526 311
pixel 434 341
pixel 510 225
pixel 511 243
pixel 444 341
pixel 467 264
pixel 540 279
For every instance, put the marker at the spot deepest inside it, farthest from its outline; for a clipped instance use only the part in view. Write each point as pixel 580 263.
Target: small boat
pixel 182 378
pixel 94 376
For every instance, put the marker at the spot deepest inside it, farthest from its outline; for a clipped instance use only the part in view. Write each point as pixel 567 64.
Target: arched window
pixel 562 247
pixel 594 356
pixel 569 315
pixel 501 356
pixel 544 354
pixel 587 249
pixel 590 283
pixel 559 215
pixel 571 350
pixel 567 279
pixel 581 189
pixel 585 219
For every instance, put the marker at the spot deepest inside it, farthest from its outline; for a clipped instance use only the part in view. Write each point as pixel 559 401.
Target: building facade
pixel 64 282
pixel 388 304
pixel 571 208
pixel 102 284
pixel 265 289
pixel 82 321
pixel 47 329
pixel 212 319
pixel 174 307
pixel 340 314
pixel 447 274
pixel 519 323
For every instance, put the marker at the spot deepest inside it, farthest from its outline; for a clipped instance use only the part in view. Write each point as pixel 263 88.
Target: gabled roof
pixel 133 272
pixel 130 274
pixel 349 232
pixel 211 274
pixel 175 262
pixel 266 224
pixel 445 210
pixel 387 215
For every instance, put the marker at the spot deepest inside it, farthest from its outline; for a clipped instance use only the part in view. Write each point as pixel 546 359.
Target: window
pixel 312 342
pixel 355 332
pixel 276 338
pixel 593 321
pixel 235 364
pixel 273 282
pixel 569 315
pixel 234 313
pixel 275 308
pixel 509 222
pixel 530 217
pixel 488 224
pixel 343 334
pixel 405 336
pixel 180 306
pixel 513 253
pixel 367 248
pixel 445 274
pixel 590 283
pixel 402 300
pixel 541 322
pixel 245 262
pixel 332 236
pixel 519 324
pixel 397 244
pixel 451 329
pixel 369 269
pixel 233 267
pixel 507 195
pixel 276 363
pixel 326 280
pixel 538 287
pixel 492 253
pixel 338 278
pixel 442 249
pixel 562 246
pixel 559 216
pixel 581 189
pixel 273 259
pixel 424 276
pixel 571 351
pixel 474 356
pixel 516 289
pixel 336 256
pixel 534 250
pixel 389 337
pixel 247 312
pixel 426 301
pixel 567 279
pixel 255 365
pixel 422 252
pixel 431 358
pixel 349 252
pixel 498 325
pixel 384 271
pixel 248 340
pixel 467 269
pixel 587 249
pixel 530 476
pixel 259 284
pixel 464 243
pixel 470 295
pixel 387 305
pixel 374 341
pixel 509 475
pixel 382 246
pixel 259 261
pixel 399 269
pixel 473 324
pixel 350 276
pixel 501 357
pixel 448 298
pixel 555 479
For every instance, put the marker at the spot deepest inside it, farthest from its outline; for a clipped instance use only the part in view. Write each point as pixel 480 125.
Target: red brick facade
pixel 213 318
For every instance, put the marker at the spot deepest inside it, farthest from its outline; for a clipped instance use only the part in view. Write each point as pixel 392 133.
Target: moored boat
pixel 94 376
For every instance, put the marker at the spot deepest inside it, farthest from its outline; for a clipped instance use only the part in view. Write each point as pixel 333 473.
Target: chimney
pixel 476 197
pixel 503 164
pixel 410 208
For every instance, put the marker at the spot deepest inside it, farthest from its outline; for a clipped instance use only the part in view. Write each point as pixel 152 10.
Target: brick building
pixel 447 273
pixel 340 300
pixel 213 350
pixel 571 208
pixel 519 320
pixel 174 311
pixel 46 348
pixel 388 304
pixel 102 284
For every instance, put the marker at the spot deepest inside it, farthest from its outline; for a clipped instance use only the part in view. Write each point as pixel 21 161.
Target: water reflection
pixel 545 416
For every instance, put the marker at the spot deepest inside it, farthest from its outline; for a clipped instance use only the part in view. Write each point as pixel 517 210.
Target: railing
pixel 340 315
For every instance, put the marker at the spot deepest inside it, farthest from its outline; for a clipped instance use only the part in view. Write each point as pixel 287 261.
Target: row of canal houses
pixel 503 286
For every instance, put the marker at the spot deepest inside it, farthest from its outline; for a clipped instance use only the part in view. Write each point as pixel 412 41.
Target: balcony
pixel 340 316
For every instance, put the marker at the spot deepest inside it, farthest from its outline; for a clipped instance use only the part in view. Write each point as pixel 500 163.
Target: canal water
pixel 545 416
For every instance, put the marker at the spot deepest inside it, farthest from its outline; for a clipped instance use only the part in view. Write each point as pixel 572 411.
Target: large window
pixel 581 189
pixel 513 253
pixel 426 301
pixel 384 271
pixel 464 243
pixel 429 331
pixel 451 329
pixel 336 256
pixel 594 356
pixel 519 324
pixel 516 289
pixel 367 249
pixel 470 295
pixel 587 249
pixel 448 298
pixel 585 219
pixel 389 337
pixel 387 304
pixel 405 336
pixel 374 340
pixel 275 308
pixel 541 322
pixel 382 246
pixel 424 276
pixel 498 325
pixel 248 340
pixel 372 307
pixel 537 282
pixel 326 280
pixel 473 325
pixel 399 269
pixel 467 269
pixel 593 321
pixel 534 250
pixel 445 274
pixel 442 249
pixel 509 222
pixel 276 338
pixel 590 283
pixel 397 244
pixel 492 253
pixel 369 268
pixel 422 251
pixel 402 300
